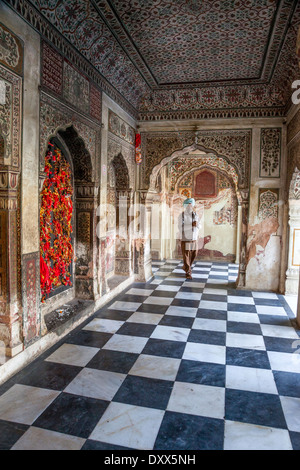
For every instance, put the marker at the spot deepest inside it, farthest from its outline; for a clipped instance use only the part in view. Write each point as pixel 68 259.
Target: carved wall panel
pixel 270 153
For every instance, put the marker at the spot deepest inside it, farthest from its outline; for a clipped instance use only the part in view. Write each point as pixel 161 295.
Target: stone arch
pixel 85 243
pixel 205 152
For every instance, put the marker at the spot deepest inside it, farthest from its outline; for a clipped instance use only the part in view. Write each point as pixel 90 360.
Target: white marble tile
pixel 195 399
pixel 265 295
pixel 156 367
pixel 244 317
pixel 237 340
pixel 181 311
pixel 188 295
pixel 128 426
pixel 43 439
pixel 155 282
pixel 218 281
pixel 24 404
pixel 94 383
pixel 153 300
pixel 103 325
pixel 213 305
pixel 163 273
pixel 209 324
pixel 244 436
pixel 285 362
pixel 218 273
pixel 250 379
pixel 205 353
pixel 291 410
pixel 126 306
pixel 267 310
pixel 145 318
pixel 73 354
pixel 238 299
pixel 214 291
pixel 137 291
pixel 126 343
pixel 198 285
pixel 199 276
pixel 279 331
pixel 201 268
pixel 168 288
pixel 170 333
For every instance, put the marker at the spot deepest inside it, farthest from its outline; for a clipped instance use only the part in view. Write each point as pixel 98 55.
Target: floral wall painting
pixel 270 153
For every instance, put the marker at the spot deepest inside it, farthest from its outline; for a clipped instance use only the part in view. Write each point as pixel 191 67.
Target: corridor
pixel 172 364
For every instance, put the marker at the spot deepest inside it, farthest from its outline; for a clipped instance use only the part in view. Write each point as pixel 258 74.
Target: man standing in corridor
pixel 188 224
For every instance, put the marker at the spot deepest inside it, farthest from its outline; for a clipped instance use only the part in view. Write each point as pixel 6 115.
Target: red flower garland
pixel 56 250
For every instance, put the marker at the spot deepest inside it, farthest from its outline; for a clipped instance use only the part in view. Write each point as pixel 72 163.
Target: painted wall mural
pixel 63 79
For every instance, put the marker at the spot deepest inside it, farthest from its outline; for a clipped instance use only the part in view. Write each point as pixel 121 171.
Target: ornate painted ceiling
pixel 178 56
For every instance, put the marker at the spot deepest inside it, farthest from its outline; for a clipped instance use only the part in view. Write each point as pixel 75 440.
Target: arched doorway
pixel 69 250
pixel 292 273
pixel 181 175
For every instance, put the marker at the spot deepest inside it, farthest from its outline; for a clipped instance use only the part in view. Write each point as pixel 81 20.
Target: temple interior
pixel 112 114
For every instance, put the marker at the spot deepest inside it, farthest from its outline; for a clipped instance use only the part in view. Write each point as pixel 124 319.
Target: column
pixel 241 280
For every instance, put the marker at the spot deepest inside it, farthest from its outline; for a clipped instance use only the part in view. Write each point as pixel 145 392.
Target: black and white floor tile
pixel 172 364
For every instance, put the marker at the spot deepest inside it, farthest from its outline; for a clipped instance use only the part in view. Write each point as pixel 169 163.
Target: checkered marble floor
pixel 172 364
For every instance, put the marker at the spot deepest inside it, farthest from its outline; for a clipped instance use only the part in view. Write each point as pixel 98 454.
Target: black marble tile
pixel 165 348
pixel 142 391
pixel 263 409
pixel 286 345
pixel 72 414
pixel 163 293
pixel 241 308
pixel 295 439
pixel 201 373
pixel 214 297
pixel 243 328
pixel 89 338
pixel 10 433
pixel 151 308
pixel 214 314
pixel 113 314
pixel 50 375
pixel 181 431
pixel 185 303
pixel 113 361
pixel 181 322
pixel 96 445
pixel 136 329
pixel 207 337
pixel 247 358
pixel 288 383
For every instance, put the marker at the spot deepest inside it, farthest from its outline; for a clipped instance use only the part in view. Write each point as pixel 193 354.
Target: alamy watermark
pixel 296 93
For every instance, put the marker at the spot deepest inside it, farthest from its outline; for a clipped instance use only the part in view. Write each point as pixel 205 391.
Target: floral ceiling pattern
pixel 147 49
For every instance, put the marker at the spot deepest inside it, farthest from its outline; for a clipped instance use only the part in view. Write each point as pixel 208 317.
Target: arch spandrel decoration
pixel 55 117
pixel 233 146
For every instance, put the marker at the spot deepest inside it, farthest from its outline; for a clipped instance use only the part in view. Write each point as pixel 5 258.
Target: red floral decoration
pixel 56 250
pixel 138 150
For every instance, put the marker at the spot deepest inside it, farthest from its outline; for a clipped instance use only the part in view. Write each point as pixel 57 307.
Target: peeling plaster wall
pixel 265 227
